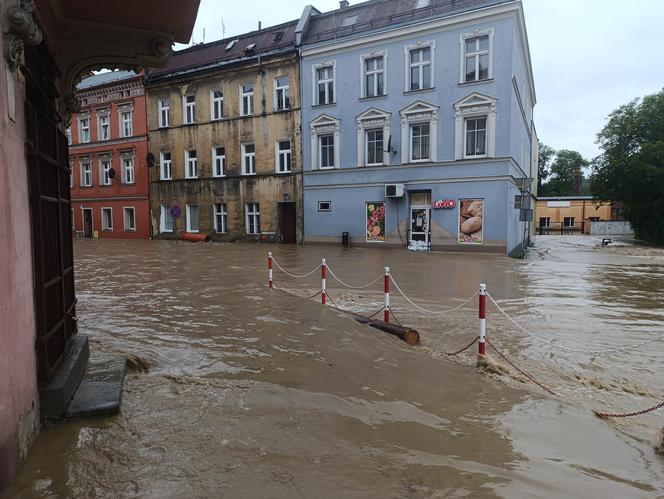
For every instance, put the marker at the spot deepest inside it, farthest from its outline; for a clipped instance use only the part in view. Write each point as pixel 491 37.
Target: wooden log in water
pixel 406 334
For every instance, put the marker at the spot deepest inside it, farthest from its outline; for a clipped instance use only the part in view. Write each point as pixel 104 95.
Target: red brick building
pixel 107 154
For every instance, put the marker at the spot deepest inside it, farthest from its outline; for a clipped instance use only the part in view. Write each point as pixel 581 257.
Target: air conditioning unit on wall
pixel 394 190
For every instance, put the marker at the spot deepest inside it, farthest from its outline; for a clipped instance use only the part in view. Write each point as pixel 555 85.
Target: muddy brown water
pixel 259 393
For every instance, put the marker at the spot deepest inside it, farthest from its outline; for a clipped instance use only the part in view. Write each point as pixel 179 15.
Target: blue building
pixel 417 124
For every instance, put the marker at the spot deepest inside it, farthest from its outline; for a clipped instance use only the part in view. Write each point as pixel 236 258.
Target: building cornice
pixel 82 149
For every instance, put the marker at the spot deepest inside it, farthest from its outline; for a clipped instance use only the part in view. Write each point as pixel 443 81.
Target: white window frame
pixel 125 210
pixel 103 172
pixel 431 44
pixel 363 73
pixel 164 111
pixel 110 227
pixel 188 207
pixel 126 125
pixel 216 105
pixel 371 119
pixel 165 211
pixel 190 164
pixel 250 99
pixel 218 160
pixel 71 174
pixel 320 152
pixel 81 128
pixel 224 218
pixel 165 166
pixel 103 126
pixel 366 146
pixel 83 163
pixel 475 104
pixel 69 136
pixel 284 98
pixel 314 79
pixel 465 136
pixel 325 125
pixel 416 113
pixel 187 117
pixel 462 55
pixel 321 209
pixel 411 150
pixel 252 210
pixel 286 153
pixel 128 170
pixel 547 221
pixel 251 156
pixel 566 225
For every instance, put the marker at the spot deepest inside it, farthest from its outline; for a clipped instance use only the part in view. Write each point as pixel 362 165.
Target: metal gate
pixel 50 212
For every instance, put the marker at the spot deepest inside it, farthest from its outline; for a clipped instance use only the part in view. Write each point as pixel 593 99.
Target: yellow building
pixel 567 214
pixel 224 124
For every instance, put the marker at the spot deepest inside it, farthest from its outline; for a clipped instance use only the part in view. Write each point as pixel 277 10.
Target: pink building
pixel 46 46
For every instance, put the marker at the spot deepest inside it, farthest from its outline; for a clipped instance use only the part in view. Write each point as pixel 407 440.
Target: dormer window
pixel 250 47
pixel 349 21
pixel 422 3
pixel 231 44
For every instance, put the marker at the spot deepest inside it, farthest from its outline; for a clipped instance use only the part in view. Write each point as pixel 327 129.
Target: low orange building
pixel 566 214
pixel 107 155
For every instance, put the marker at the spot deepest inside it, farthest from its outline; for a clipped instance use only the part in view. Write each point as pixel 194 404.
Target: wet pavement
pixel 259 393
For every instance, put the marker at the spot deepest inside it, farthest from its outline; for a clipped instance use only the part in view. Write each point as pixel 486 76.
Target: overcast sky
pixel 589 56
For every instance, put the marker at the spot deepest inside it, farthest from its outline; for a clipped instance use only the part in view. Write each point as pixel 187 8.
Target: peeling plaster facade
pixel 274 192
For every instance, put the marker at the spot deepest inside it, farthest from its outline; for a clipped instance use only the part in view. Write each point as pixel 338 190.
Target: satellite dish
pixel 389 146
pixel 111 173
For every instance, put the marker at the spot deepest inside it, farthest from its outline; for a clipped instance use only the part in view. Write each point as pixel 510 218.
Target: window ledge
pixel 374 97
pixel 465 83
pixel 430 89
pixel 191 178
pixel 324 105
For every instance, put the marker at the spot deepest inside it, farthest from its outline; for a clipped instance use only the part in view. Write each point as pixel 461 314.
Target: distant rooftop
pixel 367 16
pixel 271 39
pixel 104 79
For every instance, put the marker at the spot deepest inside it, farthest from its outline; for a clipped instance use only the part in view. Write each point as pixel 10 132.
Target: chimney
pixel 577 181
pixel 259 25
pixel 343 4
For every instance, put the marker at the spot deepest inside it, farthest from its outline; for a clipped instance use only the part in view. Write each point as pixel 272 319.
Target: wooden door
pixel 50 213
pixel 87 222
pixel 287 222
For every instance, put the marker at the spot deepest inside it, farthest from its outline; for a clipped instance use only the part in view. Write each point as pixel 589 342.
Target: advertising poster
pixel 471 221
pixel 376 221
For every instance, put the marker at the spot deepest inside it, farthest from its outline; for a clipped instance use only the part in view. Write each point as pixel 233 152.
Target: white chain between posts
pixel 574 350
pixel 380 276
pixel 430 311
pixel 294 275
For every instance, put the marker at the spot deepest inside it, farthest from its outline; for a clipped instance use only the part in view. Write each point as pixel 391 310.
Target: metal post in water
pixel 269 269
pixel 386 310
pixel 482 316
pixel 323 272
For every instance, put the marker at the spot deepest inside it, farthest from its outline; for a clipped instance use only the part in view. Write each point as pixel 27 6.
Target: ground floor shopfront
pixel 265 208
pixel 422 212
pixel 113 218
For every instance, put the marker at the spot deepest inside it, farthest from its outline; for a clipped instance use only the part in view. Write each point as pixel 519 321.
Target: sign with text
pixel 444 203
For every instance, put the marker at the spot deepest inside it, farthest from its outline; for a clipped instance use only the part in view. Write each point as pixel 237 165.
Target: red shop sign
pixel 444 203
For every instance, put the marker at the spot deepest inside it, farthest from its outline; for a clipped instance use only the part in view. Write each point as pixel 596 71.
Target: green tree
pixel 563 172
pixel 630 169
pixel 546 154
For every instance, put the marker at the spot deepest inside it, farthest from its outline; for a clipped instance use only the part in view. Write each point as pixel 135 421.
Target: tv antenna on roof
pixel 223 28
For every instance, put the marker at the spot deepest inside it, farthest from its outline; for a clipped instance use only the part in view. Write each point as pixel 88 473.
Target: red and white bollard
pixel 323 283
pixel 482 332
pixel 386 309
pixel 269 269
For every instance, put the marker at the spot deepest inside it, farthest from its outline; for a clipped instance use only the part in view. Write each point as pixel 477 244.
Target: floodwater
pixel 259 393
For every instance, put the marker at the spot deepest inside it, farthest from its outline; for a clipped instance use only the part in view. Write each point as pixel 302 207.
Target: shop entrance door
pixel 419 223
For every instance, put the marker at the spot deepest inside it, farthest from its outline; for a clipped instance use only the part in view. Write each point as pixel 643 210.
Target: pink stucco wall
pixel 19 399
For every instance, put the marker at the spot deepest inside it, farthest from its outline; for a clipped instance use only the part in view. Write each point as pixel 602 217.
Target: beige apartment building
pixel 224 125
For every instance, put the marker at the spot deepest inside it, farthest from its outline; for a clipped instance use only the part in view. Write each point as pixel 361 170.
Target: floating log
pixel 406 334
pixel 195 237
